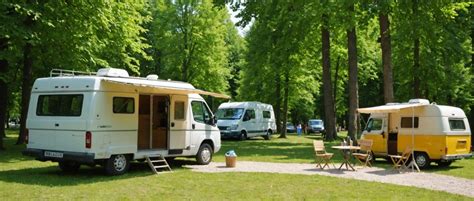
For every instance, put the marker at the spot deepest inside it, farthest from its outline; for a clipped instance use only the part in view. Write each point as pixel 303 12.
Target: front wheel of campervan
pixel 422 160
pixel 243 136
pixel 268 135
pixel 204 155
pixel 117 164
pixel 69 166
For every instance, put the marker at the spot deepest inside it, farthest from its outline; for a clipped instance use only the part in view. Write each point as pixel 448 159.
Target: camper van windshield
pixel 315 122
pixel 230 113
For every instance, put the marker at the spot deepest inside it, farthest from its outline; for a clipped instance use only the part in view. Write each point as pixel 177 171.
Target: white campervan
pixel 110 118
pixel 246 119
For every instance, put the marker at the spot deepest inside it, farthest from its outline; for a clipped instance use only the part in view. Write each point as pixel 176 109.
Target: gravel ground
pixel 422 180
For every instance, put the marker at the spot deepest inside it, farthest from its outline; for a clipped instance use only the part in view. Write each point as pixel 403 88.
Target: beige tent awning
pixel 387 108
pixel 166 87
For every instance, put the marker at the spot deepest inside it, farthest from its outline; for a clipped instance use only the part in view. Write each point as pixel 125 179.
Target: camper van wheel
pixel 204 155
pixel 268 135
pixel 444 163
pixel 69 166
pixel 243 136
pixel 117 164
pixel 422 160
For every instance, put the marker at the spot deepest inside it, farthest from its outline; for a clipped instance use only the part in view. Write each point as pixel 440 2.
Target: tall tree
pixel 191 39
pixel 3 91
pixel 353 77
pixel 329 109
pixel 386 45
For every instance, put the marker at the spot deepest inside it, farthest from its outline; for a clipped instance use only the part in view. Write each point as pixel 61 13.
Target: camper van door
pixel 179 122
pixel 376 130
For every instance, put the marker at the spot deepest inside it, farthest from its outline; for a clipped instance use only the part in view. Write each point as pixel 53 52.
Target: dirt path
pixel 422 180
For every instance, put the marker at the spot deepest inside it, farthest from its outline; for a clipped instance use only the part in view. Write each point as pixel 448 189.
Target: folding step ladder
pixel 158 162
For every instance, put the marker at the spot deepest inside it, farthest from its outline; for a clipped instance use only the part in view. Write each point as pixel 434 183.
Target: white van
pixel 437 133
pixel 110 118
pixel 243 120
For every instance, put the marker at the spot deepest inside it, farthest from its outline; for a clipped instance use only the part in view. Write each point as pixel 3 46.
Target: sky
pixel 242 31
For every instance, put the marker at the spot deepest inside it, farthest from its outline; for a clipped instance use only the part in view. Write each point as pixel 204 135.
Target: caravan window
pixel 60 105
pixel 266 114
pixel 249 114
pixel 123 105
pixel 179 110
pixel 201 113
pixel 456 125
pixel 406 122
pixel 374 124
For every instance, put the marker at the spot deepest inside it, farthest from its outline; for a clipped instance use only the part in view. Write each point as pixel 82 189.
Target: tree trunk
pixel 3 92
pixel 278 102
pixel 285 104
pixel 353 81
pixel 25 91
pixel 385 42
pixel 327 85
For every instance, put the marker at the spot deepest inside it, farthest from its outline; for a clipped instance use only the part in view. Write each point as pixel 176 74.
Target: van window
pixel 266 114
pixel 201 113
pixel 230 113
pixel 249 114
pixel 374 124
pixel 60 105
pixel 406 122
pixel 123 105
pixel 179 110
pixel 456 125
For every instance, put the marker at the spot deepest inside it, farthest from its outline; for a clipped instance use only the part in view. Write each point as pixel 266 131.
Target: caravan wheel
pixel 422 160
pixel 204 155
pixel 268 135
pixel 117 165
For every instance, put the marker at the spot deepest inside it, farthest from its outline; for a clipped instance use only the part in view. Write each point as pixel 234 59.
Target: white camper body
pixel 113 118
pixel 246 119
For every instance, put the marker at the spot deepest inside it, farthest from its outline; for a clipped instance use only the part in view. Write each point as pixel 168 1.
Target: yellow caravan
pixel 438 133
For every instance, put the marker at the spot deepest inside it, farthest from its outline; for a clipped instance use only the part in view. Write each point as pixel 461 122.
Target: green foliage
pixel 192 40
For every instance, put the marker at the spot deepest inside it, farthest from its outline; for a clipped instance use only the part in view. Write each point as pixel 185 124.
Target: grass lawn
pixel 22 178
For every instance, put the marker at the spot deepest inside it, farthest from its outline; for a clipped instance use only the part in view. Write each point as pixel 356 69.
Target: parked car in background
pixel 316 126
pixel 290 128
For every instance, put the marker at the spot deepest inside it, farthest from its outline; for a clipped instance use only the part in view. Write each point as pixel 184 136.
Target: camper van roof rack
pixel 63 72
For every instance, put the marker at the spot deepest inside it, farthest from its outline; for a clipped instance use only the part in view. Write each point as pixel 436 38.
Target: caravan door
pixel 376 130
pixel 178 139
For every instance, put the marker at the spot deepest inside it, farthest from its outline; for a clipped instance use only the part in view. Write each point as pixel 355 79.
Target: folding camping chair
pixel 400 161
pixel 320 154
pixel 365 154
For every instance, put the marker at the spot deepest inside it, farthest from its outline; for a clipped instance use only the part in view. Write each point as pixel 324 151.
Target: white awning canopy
pixel 165 87
pixel 387 108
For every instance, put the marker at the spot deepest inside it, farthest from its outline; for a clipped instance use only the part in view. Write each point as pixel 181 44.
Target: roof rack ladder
pixel 158 162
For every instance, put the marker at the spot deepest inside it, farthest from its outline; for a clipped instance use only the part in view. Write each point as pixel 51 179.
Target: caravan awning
pixel 387 108
pixel 163 86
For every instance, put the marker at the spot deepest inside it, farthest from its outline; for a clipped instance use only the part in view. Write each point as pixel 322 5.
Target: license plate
pixel 53 154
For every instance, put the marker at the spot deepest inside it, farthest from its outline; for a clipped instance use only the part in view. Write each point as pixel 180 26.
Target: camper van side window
pixel 60 105
pixel 456 125
pixel 179 110
pixel 374 125
pixel 201 113
pixel 249 114
pixel 406 122
pixel 123 105
pixel 266 114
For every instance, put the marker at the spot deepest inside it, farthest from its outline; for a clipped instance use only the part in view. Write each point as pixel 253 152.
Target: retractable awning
pixel 163 86
pixel 387 108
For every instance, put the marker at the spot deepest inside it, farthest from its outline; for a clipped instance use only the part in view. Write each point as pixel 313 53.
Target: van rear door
pixel 57 122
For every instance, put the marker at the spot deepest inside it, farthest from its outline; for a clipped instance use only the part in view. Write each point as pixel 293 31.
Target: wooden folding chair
pixel 365 154
pixel 400 161
pixel 321 156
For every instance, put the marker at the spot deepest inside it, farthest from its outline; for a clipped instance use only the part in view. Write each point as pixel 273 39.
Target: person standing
pixel 298 129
